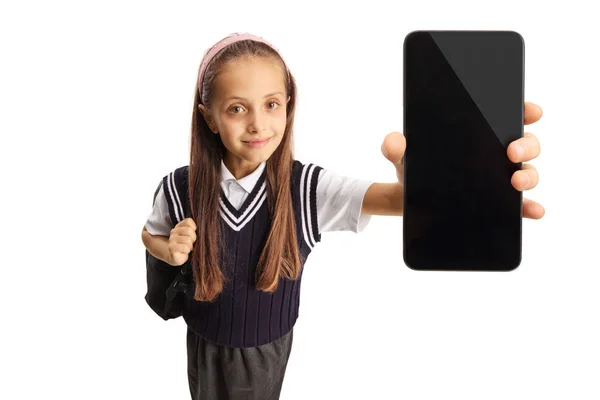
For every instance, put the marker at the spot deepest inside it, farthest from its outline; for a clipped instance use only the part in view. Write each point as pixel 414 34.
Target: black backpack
pixel 168 284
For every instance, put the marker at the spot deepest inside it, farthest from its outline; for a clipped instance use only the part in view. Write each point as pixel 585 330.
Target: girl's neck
pixel 238 167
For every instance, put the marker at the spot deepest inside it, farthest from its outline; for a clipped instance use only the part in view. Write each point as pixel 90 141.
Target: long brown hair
pixel 280 256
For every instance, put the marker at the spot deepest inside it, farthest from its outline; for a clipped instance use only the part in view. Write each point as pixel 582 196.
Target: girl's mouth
pixel 256 143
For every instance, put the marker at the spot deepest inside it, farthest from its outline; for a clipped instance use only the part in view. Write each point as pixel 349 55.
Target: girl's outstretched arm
pixel 383 199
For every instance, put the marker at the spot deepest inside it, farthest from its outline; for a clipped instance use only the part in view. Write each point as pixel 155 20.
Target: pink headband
pixel 234 37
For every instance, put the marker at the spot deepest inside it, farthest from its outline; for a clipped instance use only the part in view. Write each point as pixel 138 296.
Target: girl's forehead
pixel 253 66
pixel 250 77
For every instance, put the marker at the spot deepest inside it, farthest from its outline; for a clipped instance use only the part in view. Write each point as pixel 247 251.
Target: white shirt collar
pixel 249 181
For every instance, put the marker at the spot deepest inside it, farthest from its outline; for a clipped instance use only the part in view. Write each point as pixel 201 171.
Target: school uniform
pixel 238 345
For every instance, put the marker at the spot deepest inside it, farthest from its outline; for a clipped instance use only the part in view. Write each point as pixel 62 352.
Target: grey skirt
pixel 225 373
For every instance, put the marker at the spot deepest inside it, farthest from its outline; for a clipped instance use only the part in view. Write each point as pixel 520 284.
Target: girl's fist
pixel 181 241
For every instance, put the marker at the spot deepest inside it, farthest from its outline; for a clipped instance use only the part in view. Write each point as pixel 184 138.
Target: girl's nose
pixel 258 122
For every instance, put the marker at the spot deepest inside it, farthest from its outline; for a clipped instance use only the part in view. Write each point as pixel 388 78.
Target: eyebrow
pixel 241 98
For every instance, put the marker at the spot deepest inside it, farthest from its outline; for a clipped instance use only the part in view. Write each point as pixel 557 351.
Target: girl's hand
pixel 181 241
pixel 521 150
pixel 526 149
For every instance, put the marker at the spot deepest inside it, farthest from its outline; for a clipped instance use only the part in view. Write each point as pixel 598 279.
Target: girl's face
pixel 248 111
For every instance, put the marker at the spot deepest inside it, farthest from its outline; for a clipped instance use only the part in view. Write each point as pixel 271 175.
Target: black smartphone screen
pixel 463 106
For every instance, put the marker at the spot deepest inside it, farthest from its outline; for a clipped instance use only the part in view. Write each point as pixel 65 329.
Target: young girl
pixel 250 219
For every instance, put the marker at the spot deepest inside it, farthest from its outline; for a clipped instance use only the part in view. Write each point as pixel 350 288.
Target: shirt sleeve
pixel 159 221
pixel 339 203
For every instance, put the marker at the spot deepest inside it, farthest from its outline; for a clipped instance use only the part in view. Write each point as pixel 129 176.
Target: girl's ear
pixel 289 98
pixel 208 118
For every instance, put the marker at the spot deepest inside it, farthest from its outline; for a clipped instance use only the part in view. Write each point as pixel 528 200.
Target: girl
pixel 254 213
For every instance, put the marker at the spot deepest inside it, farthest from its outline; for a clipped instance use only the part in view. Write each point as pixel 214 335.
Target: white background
pixel 96 101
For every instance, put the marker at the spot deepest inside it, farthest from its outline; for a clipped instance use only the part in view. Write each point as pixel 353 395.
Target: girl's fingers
pixel 532 113
pixel 184 239
pixel 192 234
pixel 532 210
pixel 526 178
pixel 184 231
pixel 181 248
pixel 393 148
pixel 524 149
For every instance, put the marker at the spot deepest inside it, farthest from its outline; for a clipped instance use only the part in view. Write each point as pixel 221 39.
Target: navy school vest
pixel 242 316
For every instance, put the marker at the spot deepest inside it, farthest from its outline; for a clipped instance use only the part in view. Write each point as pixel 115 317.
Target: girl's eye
pixel 272 105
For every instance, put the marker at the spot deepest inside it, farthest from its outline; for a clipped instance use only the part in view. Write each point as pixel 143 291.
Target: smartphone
pixel 463 106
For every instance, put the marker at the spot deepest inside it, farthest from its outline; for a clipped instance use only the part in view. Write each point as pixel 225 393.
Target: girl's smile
pixel 256 143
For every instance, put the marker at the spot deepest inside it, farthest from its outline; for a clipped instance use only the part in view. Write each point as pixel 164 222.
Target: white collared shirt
pixel 339 201
pixel 236 190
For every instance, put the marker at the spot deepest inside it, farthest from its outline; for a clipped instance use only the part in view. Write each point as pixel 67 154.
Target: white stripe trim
pixel 237 228
pixel 248 210
pixel 302 207
pixel 309 206
pixel 262 200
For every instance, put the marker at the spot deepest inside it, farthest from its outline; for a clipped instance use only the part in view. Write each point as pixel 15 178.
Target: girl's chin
pixel 254 156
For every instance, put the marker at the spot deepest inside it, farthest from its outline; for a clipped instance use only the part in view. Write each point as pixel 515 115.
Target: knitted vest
pixel 242 316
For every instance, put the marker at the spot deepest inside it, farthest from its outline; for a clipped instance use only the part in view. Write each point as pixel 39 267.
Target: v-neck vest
pixel 242 316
